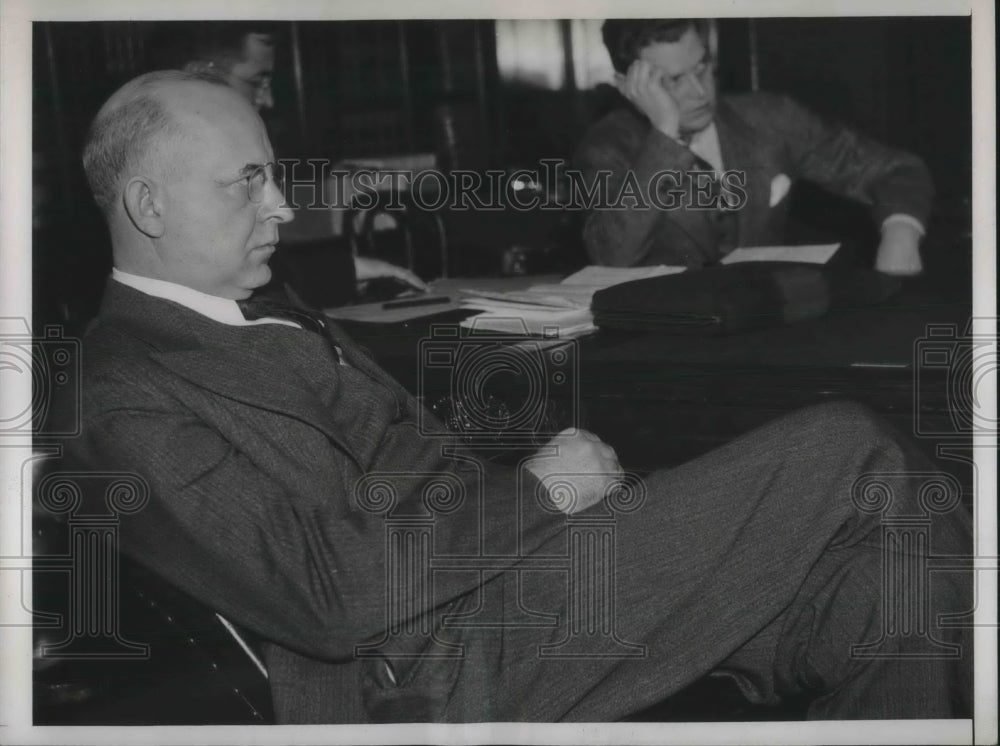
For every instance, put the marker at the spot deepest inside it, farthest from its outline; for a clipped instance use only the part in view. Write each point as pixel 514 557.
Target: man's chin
pixel 698 120
pixel 260 278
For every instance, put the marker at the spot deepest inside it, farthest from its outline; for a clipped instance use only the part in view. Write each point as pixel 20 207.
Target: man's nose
pixel 697 86
pixel 274 206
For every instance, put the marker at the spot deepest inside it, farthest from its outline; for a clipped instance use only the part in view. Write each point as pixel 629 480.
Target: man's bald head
pixel 133 128
pixel 184 170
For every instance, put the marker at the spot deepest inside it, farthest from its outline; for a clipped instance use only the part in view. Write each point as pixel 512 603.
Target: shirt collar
pixel 705 143
pixel 223 310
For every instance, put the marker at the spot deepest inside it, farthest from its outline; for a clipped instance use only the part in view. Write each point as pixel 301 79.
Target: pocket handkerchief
pixel 780 185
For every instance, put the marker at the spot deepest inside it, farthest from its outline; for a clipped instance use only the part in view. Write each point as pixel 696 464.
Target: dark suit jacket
pixel 253 441
pixel 763 135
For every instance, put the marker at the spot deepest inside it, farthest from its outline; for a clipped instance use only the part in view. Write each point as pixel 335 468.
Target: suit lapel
pixel 742 151
pixel 698 226
pixel 199 351
pixel 253 379
pixel 695 223
pixel 350 352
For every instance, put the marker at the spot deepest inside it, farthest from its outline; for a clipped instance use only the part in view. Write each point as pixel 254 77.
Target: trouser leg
pixel 865 633
pixel 842 642
pixel 755 548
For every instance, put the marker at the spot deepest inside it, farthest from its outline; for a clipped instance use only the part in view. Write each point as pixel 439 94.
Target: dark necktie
pixel 722 218
pixel 259 308
pixel 700 162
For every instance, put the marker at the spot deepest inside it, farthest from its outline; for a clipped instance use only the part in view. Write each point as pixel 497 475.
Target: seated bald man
pixel 257 427
pixel 242 53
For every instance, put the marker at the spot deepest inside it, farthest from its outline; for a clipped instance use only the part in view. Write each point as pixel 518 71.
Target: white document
pixel 809 254
pixel 604 277
pixel 576 291
pixel 551 309
pixel 540 322
pixel 549 296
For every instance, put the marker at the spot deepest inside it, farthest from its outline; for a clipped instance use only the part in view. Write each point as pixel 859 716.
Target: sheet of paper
pixel 551 296
pixel 604 277
pixel 375 313
pixel 576 291
pixel 808 254
pixel 543 325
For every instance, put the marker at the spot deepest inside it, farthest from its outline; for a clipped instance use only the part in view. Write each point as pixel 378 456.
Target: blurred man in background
pixel 753 146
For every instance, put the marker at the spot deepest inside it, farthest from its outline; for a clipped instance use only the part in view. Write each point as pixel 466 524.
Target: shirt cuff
pixel 901 217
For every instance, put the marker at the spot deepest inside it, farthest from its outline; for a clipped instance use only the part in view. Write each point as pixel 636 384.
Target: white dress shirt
pixel 223 310
pixel 705 145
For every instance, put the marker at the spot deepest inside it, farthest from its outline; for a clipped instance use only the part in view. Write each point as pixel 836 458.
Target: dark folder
pixel 737 297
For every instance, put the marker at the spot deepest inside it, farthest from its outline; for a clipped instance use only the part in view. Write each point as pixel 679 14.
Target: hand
pixel 643 86
pixel 899 252
pixel 366 268
pixel 585 455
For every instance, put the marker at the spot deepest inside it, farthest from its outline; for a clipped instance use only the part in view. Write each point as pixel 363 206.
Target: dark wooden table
pixel 661 399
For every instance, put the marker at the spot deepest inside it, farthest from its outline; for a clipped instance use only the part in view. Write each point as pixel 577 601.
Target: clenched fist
pixel 583 460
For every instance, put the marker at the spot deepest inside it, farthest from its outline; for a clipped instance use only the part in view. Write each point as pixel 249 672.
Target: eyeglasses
pixel 257 181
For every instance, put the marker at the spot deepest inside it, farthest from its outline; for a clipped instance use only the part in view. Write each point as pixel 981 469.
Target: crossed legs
pixel 755 562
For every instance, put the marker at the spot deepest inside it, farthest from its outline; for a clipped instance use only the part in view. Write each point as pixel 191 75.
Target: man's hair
pixel 176 44
pixel 129 125
pixel 626 37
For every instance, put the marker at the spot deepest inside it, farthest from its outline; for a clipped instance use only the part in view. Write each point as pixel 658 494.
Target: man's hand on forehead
pixel 643 85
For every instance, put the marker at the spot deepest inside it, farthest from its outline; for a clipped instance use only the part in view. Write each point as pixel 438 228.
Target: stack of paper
pixel 560 309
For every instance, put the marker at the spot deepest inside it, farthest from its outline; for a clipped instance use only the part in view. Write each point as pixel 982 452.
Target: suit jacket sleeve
pixel 623 148
pixel 286 554
pixel 850 164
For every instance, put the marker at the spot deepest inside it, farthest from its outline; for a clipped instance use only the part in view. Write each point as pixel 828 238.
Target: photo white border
pixel 15 301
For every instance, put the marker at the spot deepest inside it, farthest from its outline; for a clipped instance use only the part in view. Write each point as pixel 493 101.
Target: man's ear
pixel 144 205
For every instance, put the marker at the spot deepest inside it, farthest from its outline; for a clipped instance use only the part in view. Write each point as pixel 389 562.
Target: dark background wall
pixel 391 87
pixel 905 81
